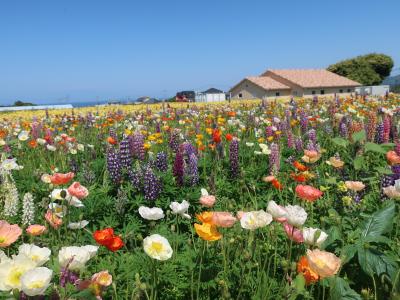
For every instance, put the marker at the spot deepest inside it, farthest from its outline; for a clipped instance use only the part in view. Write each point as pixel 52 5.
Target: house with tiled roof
pixel 294 82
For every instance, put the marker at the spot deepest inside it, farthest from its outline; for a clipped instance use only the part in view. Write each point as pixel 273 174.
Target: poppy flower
pixel 8 233
pixel 60 178
pixel 303 267
pixel 276 184
pixel 393 158
pixel 299 166
pixel 104 237
pixel 216 135
pixel 229 137
pixel 298 178
pixel 32 144
pixel 115 244
pixel 293 233
pixel 111 141
pixel 308 193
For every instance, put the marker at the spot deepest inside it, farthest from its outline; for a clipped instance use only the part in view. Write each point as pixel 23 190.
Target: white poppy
pixel 153 213
pixel 314 236
pixel 37 254
pixel 35 282
pixel 296 215
pixel 78 225
pixel 180 208
pixel 157 247
pixel 255 219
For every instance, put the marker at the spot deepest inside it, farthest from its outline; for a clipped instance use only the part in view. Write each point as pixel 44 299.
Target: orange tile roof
pixel 267 83
pixel 308 78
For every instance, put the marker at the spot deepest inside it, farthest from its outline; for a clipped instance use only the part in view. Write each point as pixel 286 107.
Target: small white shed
pixel 211 95
pixel 373 90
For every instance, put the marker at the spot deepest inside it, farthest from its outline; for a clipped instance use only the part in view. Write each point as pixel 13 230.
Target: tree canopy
pixel 370 69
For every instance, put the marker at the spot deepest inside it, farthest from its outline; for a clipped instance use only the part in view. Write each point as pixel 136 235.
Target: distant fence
pixel 36 107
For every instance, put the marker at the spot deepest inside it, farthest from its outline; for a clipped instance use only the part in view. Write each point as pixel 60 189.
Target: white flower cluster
pixel 28 209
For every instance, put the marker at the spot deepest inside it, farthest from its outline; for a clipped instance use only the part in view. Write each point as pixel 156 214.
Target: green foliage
pixel 370 69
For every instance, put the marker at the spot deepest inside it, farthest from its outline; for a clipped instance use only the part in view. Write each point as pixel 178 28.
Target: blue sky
pixel 75 50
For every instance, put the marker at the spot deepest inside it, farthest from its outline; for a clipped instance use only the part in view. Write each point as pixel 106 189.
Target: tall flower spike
pixel 151 185
pixel 178 169
pixel 274 159
pixel 125 153
pixel 234 157
pixel 161 161
pixel 113 165
pixel 28 209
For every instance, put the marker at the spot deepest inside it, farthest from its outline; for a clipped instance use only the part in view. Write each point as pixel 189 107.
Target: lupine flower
pixel 151 185
pixel 274 159
pixel 234 157
pixel 125 153
pixel 113 165
pixel 193 172
pixel 157 247
pixel 174 140
pixel 137 145
pixel 298 144
pixel 161 161
pixel 178 169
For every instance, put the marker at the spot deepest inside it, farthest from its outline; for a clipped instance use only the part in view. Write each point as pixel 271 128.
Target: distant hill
pixel 20 103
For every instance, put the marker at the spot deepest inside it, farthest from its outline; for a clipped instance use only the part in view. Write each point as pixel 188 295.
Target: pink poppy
pixel 207 201
pixel 223 219
pixel 60 178
pixel 308 193
pixel 269 178
pixel 239 214
pixel 36 229
pixel 52 219
pixel 78 190
pixel 293 233
pixel 8 233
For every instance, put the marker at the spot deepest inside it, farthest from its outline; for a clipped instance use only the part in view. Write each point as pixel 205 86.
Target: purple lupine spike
pixel 161 161
pixel 125 153
pixel 193 171
pixel 268 131
pixel 386 129
pixel 274 159
pixel 379 133
pixel 197 128
pixel 174 140
pixel 234 157
pixel 137 146
pixel 151 184
pixel 290 138
pixel 189 149
pixel 68 276
pixel 158 129
pixel 343 131
pixel 312 135
pixel 178 169
pixel 135 178
pixel 397 148
pixel 113 165
pixel 298 144
pixel 396 172
pixel 315 100
pixel 303 121
pixel 113 134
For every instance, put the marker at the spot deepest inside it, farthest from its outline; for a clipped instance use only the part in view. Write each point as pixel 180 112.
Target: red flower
pixel 308 193
pixel 115 244
pixel 298 178
pixel 111 140
pixel 229 137
pixel 104 237
pixel 299 166
pixel 277 184
pixel 216 135
pixel 60 178
pixel 107 238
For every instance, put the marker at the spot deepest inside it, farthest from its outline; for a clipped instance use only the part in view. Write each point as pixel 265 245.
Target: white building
pixel 211 95
pixel 36 107
pixel 373 90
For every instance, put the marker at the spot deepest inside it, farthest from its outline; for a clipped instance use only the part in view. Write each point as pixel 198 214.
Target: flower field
pixel 241 200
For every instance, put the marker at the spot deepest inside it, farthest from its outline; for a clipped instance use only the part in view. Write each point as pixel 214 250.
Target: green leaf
pixel 299 283
pixel 359 162
pixel 374 148
pixel 375 262
pixel 379 222
pixel 359 136
pixel 340 290
pixel 333 235
pixel 348 253
pixel 331 180
pixel 340 142
pixel 384 170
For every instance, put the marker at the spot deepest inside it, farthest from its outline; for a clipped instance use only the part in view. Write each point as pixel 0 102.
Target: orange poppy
pixel 111 140
pixel 32 143
pixel 299 166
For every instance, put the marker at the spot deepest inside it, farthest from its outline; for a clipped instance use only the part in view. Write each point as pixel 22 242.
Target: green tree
pixel 370 69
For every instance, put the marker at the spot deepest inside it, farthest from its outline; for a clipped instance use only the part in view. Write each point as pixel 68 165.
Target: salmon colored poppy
pixel 303 267
pixel 60 178
pixel 308 193
pixel 393 158
pixel 8 233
